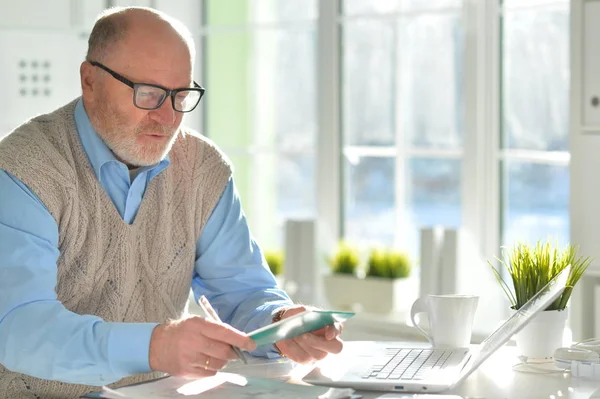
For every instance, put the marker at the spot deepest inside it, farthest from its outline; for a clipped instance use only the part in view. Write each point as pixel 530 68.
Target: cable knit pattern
pixel 139 272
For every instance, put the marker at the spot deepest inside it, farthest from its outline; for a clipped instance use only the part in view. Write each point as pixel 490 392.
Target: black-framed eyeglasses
pixel 149 96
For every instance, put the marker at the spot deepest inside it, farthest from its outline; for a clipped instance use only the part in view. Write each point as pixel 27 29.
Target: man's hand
pixel 311 346
pixel 195 347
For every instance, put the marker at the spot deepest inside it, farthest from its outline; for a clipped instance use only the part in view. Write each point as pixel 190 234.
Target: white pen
pixel 211 314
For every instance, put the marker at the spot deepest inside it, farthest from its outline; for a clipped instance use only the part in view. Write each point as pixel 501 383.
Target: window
pixel 260 107
pixel 404 114
pixel 535 118
pixel 403 119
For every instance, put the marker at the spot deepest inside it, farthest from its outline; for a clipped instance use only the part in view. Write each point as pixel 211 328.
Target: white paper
pixel 222 385
pixel 111 393
pixel 417 396
pixel 264 389
pixel 337 393
pixel 279 368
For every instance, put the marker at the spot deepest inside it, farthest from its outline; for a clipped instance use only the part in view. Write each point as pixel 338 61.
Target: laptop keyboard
pixel 407 364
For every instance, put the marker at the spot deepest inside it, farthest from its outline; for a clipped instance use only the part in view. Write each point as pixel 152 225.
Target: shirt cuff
pixel 266 318
pixel 129 347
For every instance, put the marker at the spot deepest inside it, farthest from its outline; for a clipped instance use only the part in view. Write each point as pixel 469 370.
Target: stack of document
pixel 225 385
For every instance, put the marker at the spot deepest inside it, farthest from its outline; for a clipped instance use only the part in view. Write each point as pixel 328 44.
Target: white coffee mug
pixel 450 319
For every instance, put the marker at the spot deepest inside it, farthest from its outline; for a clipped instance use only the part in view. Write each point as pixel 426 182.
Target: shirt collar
pixel 97 151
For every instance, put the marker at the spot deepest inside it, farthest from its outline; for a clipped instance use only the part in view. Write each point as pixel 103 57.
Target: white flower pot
pixel 382 295
pixel 341 289
pixel 374 294
pixel 543 335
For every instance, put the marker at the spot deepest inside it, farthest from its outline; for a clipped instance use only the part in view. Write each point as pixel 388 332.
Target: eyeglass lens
pixel 150 97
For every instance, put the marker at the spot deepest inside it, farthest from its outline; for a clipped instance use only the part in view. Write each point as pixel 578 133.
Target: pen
pixel 211 314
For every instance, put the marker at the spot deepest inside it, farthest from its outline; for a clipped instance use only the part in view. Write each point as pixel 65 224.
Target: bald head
pixel 120 30
pixel 143 46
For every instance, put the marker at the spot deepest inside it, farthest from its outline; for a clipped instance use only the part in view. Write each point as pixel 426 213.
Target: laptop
pixel 386 366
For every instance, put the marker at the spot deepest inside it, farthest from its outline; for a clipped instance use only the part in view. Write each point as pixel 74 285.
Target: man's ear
pixel 86 72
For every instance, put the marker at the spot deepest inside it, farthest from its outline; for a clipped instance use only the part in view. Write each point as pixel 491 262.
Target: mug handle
pixel 420 306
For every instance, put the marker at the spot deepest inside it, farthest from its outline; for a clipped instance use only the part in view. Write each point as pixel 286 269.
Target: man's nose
pixel 165 114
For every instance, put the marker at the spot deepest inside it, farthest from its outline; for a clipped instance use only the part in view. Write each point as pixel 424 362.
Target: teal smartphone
pixel 298 324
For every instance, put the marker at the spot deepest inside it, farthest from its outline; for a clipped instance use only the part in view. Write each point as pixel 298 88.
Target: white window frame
pixel 481 116
pixel 329 174
pixel 481 171
pixel 481 154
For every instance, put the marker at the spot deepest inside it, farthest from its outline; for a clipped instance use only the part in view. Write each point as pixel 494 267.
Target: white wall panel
pixel 84 13
pixel 187 11
pixel 591 65
pixel 125 3
pixel 35 14
pixel 584 146
pixel 39 72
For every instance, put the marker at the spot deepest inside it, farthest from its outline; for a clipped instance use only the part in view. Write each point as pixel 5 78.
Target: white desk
pixel 496 379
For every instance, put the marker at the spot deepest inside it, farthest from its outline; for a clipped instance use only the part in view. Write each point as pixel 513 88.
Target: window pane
pixel 261 86
pixel 356 7
pixel 529 3
pixel 536 78
pixel 292 10
pixel 296 187
pixel 431 81
pixel 536 202
pixel 291 79
pixel 435 192
pixel 412 5
pixel 228 60
pixel 370 214
pixel 369 83
pixel 433 198
pixel 430 89
pixel 285 190
pixel 241 12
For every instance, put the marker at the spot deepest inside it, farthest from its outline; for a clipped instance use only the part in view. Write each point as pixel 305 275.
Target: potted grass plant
pixel 342 284
pixel 528 269
pixel 388 264
pixel 386 287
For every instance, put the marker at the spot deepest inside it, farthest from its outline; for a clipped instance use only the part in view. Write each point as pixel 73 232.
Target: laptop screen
pixel 519 319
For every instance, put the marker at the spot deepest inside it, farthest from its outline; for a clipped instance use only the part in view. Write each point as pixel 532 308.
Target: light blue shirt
pixel 41 338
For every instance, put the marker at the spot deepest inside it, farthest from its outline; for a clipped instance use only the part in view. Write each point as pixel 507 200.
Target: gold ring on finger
pixel 207 363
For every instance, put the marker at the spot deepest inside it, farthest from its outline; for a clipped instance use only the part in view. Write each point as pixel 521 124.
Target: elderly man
pixel 109 212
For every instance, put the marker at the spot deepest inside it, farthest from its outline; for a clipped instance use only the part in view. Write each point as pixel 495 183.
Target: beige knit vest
pixel 139 272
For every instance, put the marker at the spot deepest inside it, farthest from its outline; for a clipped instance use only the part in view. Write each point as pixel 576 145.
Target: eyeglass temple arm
pixel 113 74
